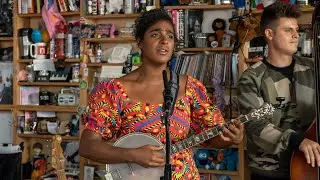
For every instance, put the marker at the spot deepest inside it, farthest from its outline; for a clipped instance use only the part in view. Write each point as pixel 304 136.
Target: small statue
pixel 74 125
pixel 219 26
pixel 39 162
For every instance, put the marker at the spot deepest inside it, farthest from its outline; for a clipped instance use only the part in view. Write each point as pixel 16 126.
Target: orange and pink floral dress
pixel 113 114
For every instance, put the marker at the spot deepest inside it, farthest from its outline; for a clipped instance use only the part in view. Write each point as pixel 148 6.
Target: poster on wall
pixel 6 127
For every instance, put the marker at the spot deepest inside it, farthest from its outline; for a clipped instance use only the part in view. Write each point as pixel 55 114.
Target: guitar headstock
pixel 57 158
pixel 265 111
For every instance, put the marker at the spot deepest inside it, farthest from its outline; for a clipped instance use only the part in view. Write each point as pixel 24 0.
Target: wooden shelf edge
pixel 67 60
pixel 305 10
pixel 206 49
pixel 47 84
pixel 111 40
pixel 111 16
pixel 212 7
pixel 206 147
pixel 231 173
pixel 47 108
pixel 6 38
pixel 6 107
pixel 47 136
pixel 40 14
pixel 108 64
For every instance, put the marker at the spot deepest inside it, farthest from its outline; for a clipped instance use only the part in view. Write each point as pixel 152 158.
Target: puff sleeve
pixel 102 115
pixel 204 114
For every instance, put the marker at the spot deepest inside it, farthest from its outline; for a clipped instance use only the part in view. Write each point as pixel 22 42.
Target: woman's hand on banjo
pixel 148 156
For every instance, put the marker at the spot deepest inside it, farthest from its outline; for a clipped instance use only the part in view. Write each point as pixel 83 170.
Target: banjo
pixel 132 171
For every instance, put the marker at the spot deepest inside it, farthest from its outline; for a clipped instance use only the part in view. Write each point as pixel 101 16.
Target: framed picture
pixel 204 176
pixel 5 82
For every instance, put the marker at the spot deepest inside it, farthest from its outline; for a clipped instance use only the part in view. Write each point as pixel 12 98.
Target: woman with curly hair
pixel 133 103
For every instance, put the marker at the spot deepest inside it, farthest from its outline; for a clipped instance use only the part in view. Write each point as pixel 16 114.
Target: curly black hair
pixel 277 10
pixel 148 19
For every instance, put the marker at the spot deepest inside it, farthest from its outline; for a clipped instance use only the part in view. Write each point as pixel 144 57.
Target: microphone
pixel 237 18
pixel 170 93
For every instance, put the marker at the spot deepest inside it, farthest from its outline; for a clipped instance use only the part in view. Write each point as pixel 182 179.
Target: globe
pixel 36 36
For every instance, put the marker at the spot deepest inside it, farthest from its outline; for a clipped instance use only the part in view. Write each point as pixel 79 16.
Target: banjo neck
pixel 202 137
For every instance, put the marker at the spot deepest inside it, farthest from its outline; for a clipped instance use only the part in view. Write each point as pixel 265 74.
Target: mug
pixel 38 50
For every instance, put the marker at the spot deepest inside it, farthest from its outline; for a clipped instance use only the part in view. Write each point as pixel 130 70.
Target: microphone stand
pixel 169 95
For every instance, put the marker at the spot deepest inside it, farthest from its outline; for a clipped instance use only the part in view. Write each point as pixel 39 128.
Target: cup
pixel 38 50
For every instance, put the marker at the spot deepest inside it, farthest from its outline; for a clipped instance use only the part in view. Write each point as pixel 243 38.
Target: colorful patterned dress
pixel 113 114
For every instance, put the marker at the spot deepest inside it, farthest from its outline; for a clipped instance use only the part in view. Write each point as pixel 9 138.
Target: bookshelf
pixel 62 113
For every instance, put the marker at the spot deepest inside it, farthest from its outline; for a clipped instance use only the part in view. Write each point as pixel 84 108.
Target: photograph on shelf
pixel 6 20
pixel 5 82
pixel 6 54
pixel 29 95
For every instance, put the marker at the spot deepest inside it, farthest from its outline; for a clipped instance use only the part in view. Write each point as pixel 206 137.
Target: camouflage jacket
pixel 268 139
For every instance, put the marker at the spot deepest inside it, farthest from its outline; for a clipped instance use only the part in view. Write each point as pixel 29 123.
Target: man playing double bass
pixel 281 77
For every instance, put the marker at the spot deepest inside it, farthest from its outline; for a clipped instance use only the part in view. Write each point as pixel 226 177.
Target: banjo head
pixel 132 171
pixel 134 140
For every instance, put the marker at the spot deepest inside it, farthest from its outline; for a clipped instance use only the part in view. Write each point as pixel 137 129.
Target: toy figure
pixel 37 148
pixel 239 5
pixel 202 158
pixel 39 162
pixel 212 40
pixel 74 125
pixel 219 26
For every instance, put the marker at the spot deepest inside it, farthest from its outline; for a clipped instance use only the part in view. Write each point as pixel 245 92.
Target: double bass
pixel 299 168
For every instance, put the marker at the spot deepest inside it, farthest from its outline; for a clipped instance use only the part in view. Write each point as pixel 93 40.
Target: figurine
pixel 39 162
pixel 219 25
pixel 74 125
